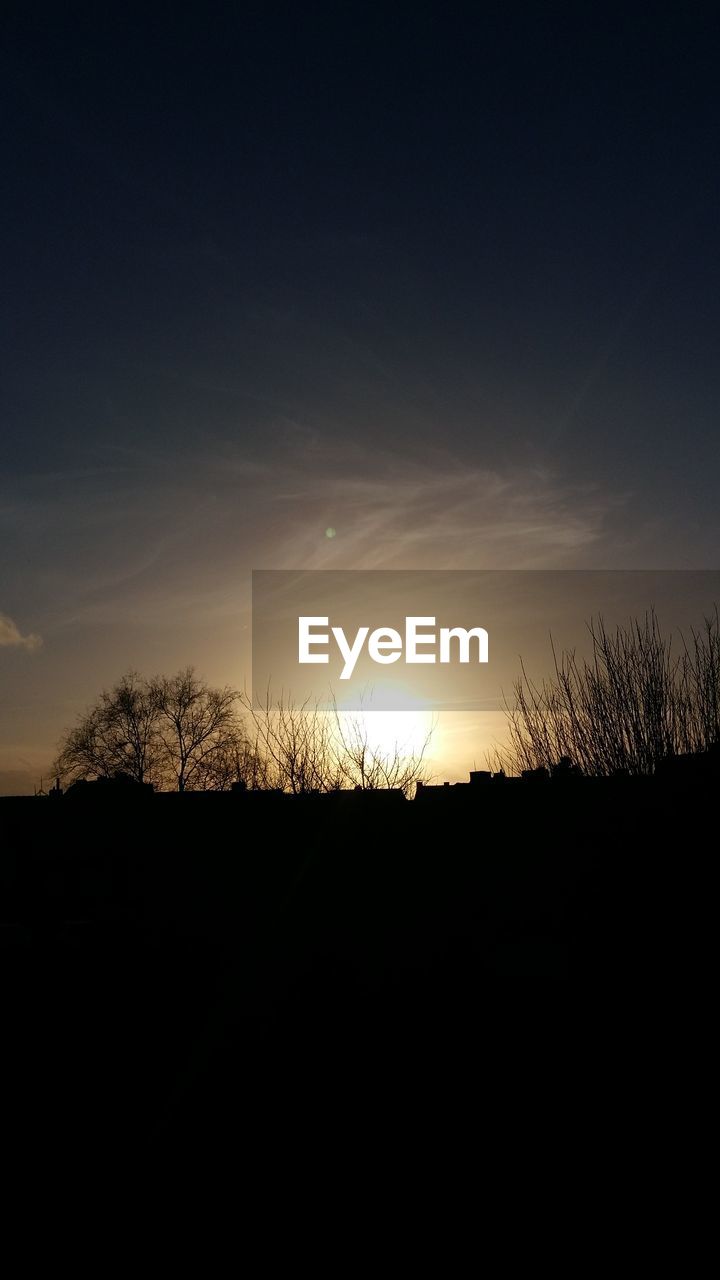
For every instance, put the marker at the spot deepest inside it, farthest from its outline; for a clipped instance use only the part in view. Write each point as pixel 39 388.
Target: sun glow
pixel 408 730
pixel 390 733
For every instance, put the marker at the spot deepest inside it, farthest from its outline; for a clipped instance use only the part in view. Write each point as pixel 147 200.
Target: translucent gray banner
pixel 446 640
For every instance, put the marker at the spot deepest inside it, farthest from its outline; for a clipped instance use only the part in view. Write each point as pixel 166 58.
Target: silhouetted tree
pixel 176 732
pixel 230 758
pixel 367 766
pixel 194 723
pixel 180 733
pixel 308 748
pixel 631 704
pixel 117 735
pixel 295 743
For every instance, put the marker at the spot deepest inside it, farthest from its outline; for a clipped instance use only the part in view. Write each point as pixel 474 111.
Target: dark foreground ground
pixel 252 978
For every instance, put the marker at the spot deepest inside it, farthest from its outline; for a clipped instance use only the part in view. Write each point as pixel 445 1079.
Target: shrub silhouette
pixel 633 703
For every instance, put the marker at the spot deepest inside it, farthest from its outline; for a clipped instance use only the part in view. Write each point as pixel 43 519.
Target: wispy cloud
pixel 439 514
pixel 12 638
pixel 165 539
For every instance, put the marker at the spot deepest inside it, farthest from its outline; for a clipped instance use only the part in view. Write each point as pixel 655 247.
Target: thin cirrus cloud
pixel 412 515
pixel 162 540
pixel 11 636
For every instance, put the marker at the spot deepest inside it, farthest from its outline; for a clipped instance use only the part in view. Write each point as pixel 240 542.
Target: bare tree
pixel 176 732
pixel 117 735
pixel 234 759
pixel 700 686
pixel 310 748
pixel 632 703
pixel 365 765
pixel 296 744
pixel 195 724
pixel 179 733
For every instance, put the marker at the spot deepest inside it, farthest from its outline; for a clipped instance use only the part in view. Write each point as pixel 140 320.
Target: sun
pixel 402 733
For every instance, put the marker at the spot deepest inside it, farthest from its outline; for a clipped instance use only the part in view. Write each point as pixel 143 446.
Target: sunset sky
pixel 442 278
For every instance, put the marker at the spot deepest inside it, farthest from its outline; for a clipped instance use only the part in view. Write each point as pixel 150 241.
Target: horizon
pixel 459 718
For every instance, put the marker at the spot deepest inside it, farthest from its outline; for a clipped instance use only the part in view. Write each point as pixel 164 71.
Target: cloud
pixel 170 541
pixel 402 513
pixel 12 638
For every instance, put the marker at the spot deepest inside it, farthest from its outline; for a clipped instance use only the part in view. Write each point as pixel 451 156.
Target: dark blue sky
pixel 444 277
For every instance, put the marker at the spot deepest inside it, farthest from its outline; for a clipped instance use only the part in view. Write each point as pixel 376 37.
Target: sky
pixel 443 278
